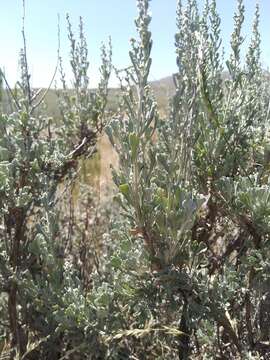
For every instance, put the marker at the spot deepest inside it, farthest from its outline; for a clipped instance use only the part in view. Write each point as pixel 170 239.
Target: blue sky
pixel 103 18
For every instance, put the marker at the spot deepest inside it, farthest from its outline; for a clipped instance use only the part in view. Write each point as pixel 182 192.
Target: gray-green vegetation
pixel 177 266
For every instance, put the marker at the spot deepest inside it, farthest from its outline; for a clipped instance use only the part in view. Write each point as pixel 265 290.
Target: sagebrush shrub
pixel 37 154
pixel 183 268
pixel 197 196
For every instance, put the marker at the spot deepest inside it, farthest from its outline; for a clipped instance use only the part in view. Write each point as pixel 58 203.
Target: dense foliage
pixel 177 266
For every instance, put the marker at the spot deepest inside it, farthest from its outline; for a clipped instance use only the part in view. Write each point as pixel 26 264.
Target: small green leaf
pixel 134 145
pixel 116 262
pixel 124 189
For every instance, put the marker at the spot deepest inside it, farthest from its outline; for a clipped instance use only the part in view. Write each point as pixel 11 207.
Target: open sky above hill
pixel 104 18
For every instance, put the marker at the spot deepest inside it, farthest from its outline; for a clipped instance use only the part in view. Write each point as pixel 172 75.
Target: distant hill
pixel 163 89
pixel 164 83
